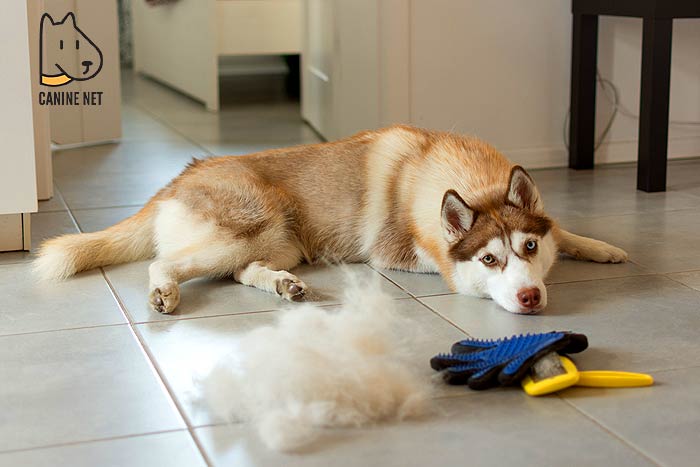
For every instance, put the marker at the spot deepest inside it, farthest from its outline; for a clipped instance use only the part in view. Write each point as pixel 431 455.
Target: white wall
pixel 500 69
pixel 17 176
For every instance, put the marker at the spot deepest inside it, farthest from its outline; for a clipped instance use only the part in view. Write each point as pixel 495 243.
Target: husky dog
pixel 67 54
pixel 399 198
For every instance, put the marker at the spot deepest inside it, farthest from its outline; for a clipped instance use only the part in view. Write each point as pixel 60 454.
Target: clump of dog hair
pixel 321 367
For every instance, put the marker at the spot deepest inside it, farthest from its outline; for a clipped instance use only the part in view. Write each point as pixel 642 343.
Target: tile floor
pixel 90 376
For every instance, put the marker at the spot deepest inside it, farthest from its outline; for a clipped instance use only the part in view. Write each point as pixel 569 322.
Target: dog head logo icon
pixel 67 53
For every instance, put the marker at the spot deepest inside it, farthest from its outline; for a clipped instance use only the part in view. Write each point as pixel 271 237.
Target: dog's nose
pixel 529 298
pixel 87 63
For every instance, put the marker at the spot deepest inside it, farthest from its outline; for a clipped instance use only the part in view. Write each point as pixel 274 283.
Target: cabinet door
pixel 317 61
pixel 17 173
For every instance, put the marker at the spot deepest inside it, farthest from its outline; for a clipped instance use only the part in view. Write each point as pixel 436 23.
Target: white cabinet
pixel 17 174
pixel 340 66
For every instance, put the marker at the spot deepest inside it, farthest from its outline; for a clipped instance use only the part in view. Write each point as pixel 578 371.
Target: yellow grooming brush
pixel 554 372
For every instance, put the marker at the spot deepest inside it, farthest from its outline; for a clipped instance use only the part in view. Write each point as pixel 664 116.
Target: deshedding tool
pixel 554 372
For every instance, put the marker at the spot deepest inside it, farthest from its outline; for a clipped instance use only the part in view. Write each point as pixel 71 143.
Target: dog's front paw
pixel 165 298
pixel 291 288
pixel 606 253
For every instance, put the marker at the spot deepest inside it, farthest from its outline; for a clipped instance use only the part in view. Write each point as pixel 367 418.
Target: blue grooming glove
pixel 482 364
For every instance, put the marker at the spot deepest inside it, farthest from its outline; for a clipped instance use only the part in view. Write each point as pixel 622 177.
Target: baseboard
pixel 614 152
pixel 14 232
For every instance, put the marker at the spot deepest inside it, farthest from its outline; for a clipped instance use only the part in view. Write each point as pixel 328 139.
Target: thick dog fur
pixel 401 198
pixel 315 369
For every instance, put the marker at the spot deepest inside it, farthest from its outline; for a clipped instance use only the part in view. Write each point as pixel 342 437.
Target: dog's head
pixel 504 248
pixel 67 51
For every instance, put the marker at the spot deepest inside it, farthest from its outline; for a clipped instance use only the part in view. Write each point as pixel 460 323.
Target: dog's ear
pixel 70 17
pixel 457 218
pixel 522 191
pixel 47 17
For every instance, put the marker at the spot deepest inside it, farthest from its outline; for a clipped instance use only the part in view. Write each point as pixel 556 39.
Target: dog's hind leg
pixel 165 274
pixel 589 249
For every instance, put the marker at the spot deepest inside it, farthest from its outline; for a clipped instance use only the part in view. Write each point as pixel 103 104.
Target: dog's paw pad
pixel 165 298
pixel 291 289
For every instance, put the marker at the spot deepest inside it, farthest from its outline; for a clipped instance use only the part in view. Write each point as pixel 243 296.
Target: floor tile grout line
pixel 624 214
pixel 76 328
pixel 610 431
pixel 284 308
pixel 390 280
pixel 56 194
pixel 171 127
pixel 160 377
pixel 158 371
pixel 685 271
pixel 667 276
pixel 415 298
pixel 645 274
pixel 93 440
pixel 119 206
pixel 440 315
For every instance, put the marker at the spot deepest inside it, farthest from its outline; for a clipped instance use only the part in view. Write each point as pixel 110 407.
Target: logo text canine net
pixel 67 55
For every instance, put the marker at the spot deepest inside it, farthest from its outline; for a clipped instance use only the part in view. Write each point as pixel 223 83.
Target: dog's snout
pixel 530 297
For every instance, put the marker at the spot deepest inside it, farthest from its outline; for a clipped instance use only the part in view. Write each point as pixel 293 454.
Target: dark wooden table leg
pixel 583 84
pixel 654 101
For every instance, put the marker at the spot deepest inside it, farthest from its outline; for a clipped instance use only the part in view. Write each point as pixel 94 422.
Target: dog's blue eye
pixel 531 245
pixel 61 44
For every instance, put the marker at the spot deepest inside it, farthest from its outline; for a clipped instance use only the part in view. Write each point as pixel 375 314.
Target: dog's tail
pixel 130 240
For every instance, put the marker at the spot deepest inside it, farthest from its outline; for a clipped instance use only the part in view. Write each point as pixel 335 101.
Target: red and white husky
pixel 399 198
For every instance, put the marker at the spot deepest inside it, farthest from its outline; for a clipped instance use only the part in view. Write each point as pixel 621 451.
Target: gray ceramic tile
pixel 78 385
pixel 54 204
pixel 241 148
pixel 684 177
pixel 690 278
pixel 239 131
pixel 642 323
pixel 663 421
pixel 204 297
pixel 43 225
pixel 570 270
pixel 122 174
pixel 489 428
pixel 137 125
pixel 92 220
pixel 327 282
pixel 659 241
pixel 29 306
pixel 175 449
pixel 418 284
pixel 602 192
pixel 186 349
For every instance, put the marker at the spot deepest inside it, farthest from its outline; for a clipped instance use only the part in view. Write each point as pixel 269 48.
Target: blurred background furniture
pixel 180 43
pixel 657 18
